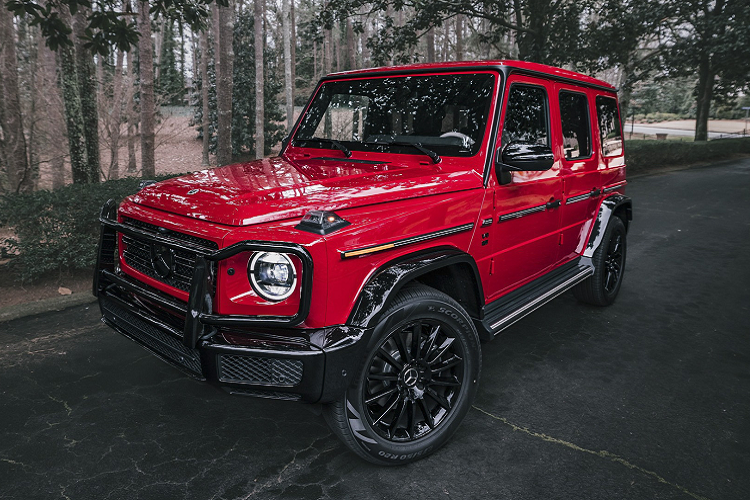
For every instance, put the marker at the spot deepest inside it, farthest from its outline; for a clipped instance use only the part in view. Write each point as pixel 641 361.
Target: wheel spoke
pixel 438 398
pixel 389 408
pixel 427 415
pixel 390 359
pixel 416 339
pixel 412 428
pixel 379 395
pixel 431 341
pixel 445 382
pixel 441 350
pixel 400 409
pixel 401 347
pixel 455 360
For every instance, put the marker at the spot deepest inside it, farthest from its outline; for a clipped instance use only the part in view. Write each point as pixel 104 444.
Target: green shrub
pixel 57 231
pixel 642 156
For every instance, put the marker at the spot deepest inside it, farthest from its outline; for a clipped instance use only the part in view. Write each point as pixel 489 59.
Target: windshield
pixel 445 113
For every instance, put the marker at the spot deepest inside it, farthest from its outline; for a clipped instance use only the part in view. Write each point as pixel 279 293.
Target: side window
pixel 576 129
pixel 609 126
pixel 526 115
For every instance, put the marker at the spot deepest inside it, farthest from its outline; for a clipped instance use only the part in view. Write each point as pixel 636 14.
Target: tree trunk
pixel 116 119
pixel 459 37
pixel 703 101
pixel 259 79
pixel 204 96
pixel 351 52
pixel 431 45
pixel 293 44
pixel 287 34
pixel 15 152
pixel 87 88
pixel 365 49
pixel 73 116
pixel 146 60
pixel 224 83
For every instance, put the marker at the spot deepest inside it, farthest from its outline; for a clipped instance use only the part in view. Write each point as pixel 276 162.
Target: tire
pixel 425 388
pixel 602 287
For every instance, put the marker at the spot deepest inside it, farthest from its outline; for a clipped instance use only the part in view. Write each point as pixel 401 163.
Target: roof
pixel 525 66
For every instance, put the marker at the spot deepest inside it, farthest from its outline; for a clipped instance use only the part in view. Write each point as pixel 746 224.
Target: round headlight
pixel 272 275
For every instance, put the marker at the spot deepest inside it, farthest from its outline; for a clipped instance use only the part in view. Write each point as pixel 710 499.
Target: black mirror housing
pixel 524 157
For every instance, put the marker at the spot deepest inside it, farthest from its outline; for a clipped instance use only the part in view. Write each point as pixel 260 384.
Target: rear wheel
pixel 417 383
pixel 602 287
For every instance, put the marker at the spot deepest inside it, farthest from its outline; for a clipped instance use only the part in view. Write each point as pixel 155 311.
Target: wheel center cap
pixel 410 377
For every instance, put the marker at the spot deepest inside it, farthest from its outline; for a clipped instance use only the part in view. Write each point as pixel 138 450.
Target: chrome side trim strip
pixel 576 199
pixel 612 188
pixel 407 241
pixel 541 300
pixel 522 213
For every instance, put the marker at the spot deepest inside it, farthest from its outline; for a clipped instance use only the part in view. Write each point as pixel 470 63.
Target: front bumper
pixel 243 355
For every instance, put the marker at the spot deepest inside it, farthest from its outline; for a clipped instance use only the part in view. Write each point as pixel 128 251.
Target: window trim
pixel 546 109
pixel 599 126
pixel 588 120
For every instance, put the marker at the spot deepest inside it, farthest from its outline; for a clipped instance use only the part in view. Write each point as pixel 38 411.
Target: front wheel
pixel 418 380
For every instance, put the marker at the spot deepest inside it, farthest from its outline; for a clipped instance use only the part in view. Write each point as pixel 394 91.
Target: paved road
pixel 647 399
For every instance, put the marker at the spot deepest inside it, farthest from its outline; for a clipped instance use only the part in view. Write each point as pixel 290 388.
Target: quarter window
pixel 526 116
pixel 576 129
pixel 609 126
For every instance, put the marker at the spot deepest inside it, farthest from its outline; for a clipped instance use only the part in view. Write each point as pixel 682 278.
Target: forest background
pixel 98 90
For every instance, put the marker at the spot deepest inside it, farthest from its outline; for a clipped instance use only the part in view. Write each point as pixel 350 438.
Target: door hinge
pixel 560 242
pixel 492 265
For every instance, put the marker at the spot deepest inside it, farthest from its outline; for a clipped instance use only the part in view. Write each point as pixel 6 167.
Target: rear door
pixel 526 225
pixel 580 167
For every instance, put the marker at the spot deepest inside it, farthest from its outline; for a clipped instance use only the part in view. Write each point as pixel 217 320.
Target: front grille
pixel 152 337
pixel 137 254
pixel 262 371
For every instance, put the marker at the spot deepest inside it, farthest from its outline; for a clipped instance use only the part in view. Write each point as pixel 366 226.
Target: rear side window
pixel 609 126
pixel 576 129
pixel 526 116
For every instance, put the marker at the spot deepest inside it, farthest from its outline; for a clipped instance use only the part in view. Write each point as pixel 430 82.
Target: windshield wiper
pixel 416 145
pixel 336 144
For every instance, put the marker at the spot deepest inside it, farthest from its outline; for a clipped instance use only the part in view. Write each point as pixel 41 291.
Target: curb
pixel 41 306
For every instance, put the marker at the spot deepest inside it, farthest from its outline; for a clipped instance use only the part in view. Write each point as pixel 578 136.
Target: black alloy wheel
pixel 417 382
pixel 413 380
pixel 602 287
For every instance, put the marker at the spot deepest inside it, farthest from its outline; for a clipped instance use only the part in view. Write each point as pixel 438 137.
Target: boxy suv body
pixel 412 213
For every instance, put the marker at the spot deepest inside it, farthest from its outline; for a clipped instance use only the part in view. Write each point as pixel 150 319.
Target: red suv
pixel 412 213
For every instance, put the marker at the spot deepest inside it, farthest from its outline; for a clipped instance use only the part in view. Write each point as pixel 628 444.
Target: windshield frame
pixel 497 79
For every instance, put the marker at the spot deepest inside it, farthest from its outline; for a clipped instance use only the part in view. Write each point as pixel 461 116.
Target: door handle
pixel 552 204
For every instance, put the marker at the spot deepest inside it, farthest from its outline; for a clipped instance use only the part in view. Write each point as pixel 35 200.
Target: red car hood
pixel 276 188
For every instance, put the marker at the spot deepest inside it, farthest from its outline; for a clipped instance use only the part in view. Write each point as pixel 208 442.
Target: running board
pixel 506 310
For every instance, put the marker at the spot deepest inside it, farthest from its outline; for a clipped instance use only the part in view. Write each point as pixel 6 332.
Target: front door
pixel 525 229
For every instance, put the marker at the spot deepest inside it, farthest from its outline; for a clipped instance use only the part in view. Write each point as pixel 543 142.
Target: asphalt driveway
pixel 649 398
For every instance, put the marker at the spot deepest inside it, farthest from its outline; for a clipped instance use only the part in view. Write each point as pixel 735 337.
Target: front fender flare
pixel 386 282
pixel 610 205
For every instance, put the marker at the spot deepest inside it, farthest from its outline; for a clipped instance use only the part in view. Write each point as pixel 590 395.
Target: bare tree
pixel 204 95
pixel 259 80
pixel 14 147
pixel 146 59
pixel 116 119
pixel 287 33
pixel 224 83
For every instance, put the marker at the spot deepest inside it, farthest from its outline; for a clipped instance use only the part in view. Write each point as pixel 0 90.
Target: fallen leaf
pixel 64 291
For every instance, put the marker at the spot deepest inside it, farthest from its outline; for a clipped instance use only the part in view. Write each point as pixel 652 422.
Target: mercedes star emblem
pixel 162 260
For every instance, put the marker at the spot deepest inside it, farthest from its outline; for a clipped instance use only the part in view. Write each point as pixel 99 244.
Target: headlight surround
pixel 272 275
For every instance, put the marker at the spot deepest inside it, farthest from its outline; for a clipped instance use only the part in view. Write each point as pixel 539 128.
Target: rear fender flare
pixel 386 282
pixel 611 205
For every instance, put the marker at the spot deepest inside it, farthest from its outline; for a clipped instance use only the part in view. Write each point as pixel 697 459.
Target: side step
pixel 506 310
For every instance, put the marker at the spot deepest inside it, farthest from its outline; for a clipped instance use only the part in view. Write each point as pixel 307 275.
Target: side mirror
pixel 524 157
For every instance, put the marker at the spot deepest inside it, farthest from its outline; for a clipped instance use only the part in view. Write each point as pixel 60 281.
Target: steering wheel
pixel 468 141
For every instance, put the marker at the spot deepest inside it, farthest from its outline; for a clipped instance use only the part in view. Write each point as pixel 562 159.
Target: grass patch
pixel 643 156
